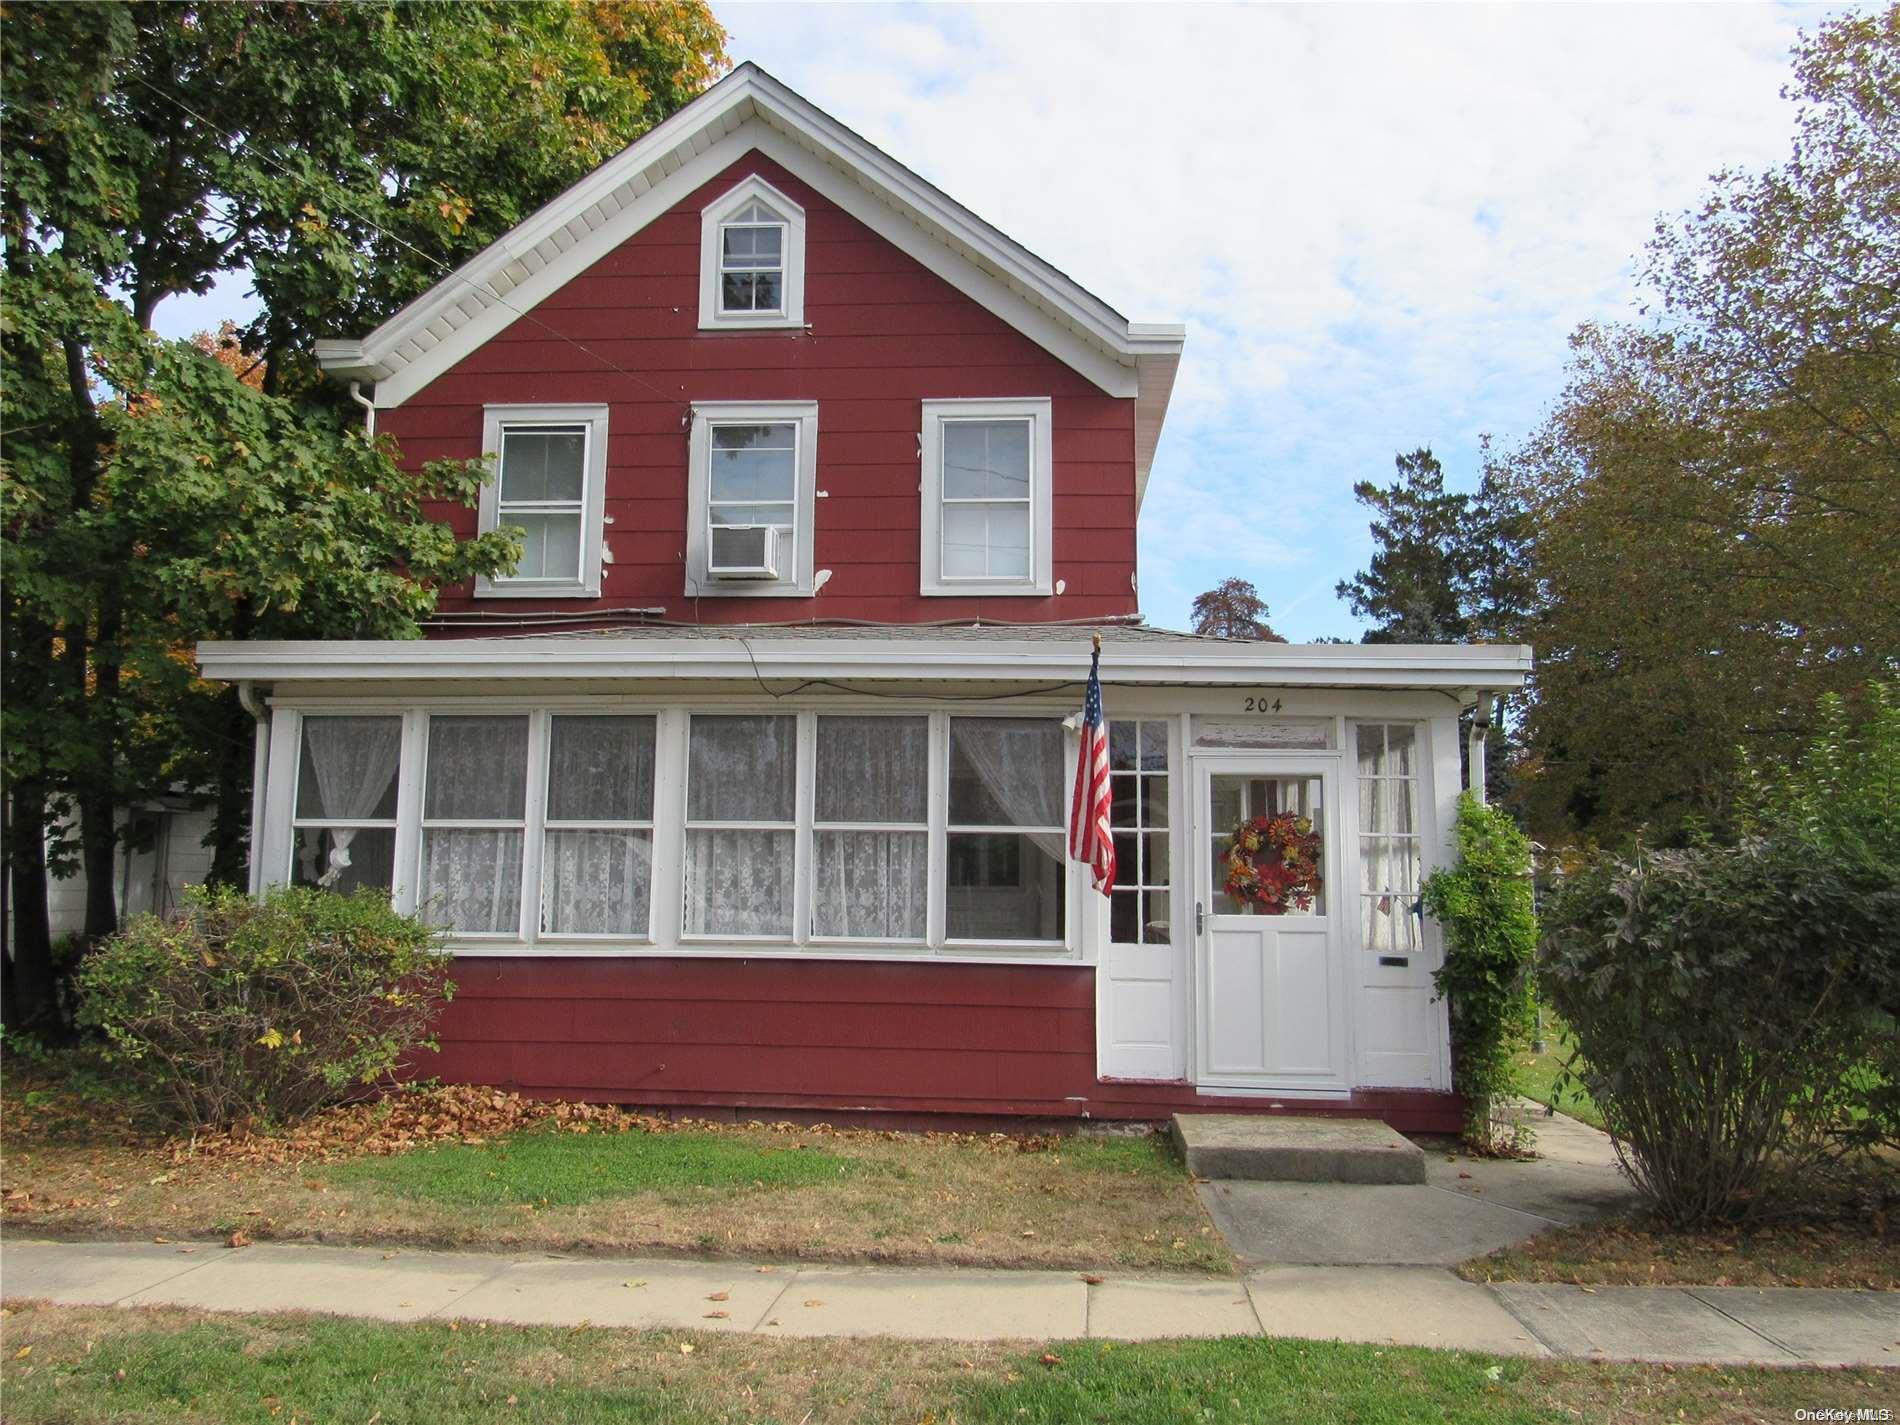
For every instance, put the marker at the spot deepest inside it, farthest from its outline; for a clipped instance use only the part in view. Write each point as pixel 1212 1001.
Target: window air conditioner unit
pixel 743 551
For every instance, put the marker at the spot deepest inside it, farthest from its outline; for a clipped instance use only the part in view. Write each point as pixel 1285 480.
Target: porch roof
pixel 991 653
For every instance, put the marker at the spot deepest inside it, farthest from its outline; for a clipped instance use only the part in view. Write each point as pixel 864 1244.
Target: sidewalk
pixel 1422 1306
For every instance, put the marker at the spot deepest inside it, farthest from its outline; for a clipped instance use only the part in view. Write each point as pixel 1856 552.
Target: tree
pixel 1233 608
pixel 343 155
pixel 1715 498
pixel 1446 567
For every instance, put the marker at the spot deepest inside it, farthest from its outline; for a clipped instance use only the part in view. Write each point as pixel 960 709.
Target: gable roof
pixel 746 110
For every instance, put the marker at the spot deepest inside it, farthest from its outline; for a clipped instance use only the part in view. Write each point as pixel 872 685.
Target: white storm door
pixel 1270 989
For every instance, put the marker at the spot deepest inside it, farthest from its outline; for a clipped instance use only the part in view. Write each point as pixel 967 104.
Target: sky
pixel 1378 223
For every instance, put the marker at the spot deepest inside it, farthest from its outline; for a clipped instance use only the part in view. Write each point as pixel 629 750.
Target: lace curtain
pixel 348 774
pixel 871 884
pixel 478 770
pixel 739 878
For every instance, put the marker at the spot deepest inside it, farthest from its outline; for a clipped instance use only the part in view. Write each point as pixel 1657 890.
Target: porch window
pixel 344 818
pixel 1140 906
pixel 871 829
pixel 741 827
pixel 597 850
pixel 1005 869
pixel 474 824
pixel 1390 852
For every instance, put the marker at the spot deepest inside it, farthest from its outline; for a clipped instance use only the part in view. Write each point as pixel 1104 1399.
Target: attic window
pixel 752 259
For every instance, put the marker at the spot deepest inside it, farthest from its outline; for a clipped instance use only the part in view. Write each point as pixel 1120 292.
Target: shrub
pixel 1725 1000
pixel 1484 904
pixel 243 1008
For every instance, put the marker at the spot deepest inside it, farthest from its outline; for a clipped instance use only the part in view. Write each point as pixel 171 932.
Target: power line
pixel 486 290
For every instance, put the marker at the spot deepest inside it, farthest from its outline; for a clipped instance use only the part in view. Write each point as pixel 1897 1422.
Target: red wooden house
pixel 746 791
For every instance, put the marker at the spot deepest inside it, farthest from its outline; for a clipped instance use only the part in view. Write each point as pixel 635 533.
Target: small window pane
pixel 478 769
pixel 348 768
pixel 1006 771
pixel 1004 886
pixel 597 882
pixel 344 859
pixel 986 541
pixel 986 460
pixel 600 769
pixel 471 879
pixel 539 466
pixel 742 769
pixel 550 545
pixel 739 882
pixel 870 884
pixel 873 769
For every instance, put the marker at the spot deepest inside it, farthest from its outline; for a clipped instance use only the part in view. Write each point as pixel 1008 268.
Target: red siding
pixel 885 335
pixel 819 1037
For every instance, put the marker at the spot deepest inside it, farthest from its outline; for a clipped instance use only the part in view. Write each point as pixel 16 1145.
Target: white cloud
pixel 1380 223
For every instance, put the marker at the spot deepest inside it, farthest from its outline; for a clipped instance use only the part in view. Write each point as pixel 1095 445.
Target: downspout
pixel 369 409
pixel 260 772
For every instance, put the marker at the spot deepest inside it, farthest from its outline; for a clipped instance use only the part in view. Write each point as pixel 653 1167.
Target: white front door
pixel 1269 988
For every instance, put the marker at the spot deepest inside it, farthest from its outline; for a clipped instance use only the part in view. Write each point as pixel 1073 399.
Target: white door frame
pixel 1202 767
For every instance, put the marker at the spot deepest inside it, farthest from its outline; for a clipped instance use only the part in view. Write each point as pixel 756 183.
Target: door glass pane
pixel 1285 873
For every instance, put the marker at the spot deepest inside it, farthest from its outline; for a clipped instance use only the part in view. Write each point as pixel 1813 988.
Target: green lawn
pixel 553 1169
pixel 1538 1073
pixel 99 1364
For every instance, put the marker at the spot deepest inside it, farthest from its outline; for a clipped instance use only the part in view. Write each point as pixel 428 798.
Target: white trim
pixel 750 653
pixel 712 220
pixel 593 552
pixel 1040 580
pixel 749 109
pixel 795 582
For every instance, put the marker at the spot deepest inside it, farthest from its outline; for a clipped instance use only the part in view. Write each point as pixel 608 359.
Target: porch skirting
pixel 873 1042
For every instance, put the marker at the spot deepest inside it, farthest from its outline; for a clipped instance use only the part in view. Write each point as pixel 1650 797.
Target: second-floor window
pixel 986 497
pixel 550 474
pixel 754 466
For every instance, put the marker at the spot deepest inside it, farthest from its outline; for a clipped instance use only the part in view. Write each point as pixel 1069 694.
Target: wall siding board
pixel 884 335
pixel 982 1041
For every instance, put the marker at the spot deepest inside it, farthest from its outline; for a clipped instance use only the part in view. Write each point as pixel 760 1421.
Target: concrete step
pixel 1290 1149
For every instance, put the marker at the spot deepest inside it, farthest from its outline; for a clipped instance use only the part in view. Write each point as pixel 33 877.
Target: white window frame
pixel 713 219
pixel 795 582
pixel 1037 411
pixel 586 583
pixel 541 753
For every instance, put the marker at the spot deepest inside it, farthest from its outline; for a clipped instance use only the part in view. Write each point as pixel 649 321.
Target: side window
pixel 1390 853
pixel 752 259
pixel 750 499
pixel 550 486
pixel 1140 911
pixel 987 498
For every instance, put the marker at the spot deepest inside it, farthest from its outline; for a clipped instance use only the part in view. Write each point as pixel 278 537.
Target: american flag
pixel 1089 836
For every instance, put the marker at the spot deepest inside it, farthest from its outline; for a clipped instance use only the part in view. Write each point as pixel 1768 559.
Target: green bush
pixel 1725 1001
pixel 1484 904
pixel 263 1009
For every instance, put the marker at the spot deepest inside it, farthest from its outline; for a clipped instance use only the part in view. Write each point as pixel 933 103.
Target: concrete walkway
pixel 1465 1208
pixel 1423 1306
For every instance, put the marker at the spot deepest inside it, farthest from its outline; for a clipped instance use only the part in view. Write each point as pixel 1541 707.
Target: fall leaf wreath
pixel 1273 862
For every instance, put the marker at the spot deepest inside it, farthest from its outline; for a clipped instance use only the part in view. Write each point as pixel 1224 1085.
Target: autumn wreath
pixel 1273 862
